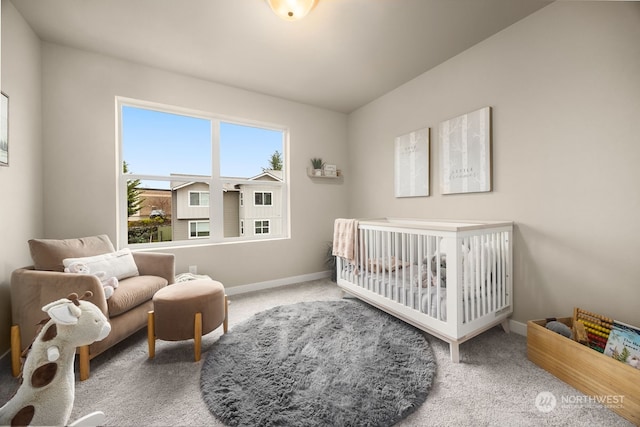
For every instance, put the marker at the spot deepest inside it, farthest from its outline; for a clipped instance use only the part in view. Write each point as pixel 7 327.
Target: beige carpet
pixel 495 385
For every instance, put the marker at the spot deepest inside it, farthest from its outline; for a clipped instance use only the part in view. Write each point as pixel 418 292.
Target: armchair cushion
pixel 48 254
pixel 118 264
pixel 132 292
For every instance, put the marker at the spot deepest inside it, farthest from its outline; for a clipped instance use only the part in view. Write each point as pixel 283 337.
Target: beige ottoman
pixel 187 310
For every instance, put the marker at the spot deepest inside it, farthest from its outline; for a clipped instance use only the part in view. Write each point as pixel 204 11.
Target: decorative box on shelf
pixel 612 383
pixel 330 170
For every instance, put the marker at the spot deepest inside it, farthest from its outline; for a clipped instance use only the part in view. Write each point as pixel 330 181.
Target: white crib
pixel 451 279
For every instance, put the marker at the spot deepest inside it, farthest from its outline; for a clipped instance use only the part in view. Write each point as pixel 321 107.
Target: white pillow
pixel 118 264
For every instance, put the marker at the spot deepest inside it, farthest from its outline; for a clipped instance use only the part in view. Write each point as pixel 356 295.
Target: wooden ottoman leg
pixel 197 335
pixel 84 362
pixel 225 323
pixel 151 334
pixel 16 349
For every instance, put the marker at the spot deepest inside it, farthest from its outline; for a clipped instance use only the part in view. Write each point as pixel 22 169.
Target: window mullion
pixel 216 211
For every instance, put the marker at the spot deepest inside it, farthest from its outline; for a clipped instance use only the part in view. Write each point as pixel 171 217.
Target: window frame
pixel 263 193
pixel 262 226
pixel 196 222
pixel 215 181
pixel 200 193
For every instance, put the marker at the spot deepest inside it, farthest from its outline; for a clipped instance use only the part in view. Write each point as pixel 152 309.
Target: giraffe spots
pixel 24 416
pixel 44 374
pixel 50 333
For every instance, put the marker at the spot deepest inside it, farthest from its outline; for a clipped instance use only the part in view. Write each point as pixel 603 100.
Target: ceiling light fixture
pixel 291 10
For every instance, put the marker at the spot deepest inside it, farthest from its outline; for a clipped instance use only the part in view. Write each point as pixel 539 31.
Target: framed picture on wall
pixel 412 164
pixel 4 130
pixel 465 153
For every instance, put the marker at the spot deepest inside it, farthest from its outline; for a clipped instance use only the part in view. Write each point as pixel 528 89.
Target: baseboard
pixel 518 327
pixel 269 284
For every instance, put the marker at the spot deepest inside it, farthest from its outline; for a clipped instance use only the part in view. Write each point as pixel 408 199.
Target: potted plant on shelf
pixel 317 164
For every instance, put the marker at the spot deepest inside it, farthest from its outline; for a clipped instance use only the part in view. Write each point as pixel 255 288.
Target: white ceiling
pixel 344 54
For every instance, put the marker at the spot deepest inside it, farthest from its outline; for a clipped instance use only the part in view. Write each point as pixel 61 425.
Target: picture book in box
pixel 624 344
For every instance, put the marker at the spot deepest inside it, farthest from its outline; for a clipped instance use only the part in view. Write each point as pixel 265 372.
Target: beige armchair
pixel 35 286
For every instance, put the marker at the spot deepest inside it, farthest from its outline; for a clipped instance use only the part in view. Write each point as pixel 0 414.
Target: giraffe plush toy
pixel 47 391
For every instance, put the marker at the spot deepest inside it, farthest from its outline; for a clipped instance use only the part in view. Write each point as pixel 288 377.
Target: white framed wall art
pixel 465 153
pixel 412 164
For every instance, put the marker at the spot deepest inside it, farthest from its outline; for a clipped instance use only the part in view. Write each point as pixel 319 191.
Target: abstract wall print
pixel 4 130
pixel 465 153
pixel 412 164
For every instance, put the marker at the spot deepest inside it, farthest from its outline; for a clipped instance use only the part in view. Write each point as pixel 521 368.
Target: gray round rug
pixel 326 363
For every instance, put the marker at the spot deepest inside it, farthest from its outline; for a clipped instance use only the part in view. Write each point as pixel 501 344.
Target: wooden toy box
pixel 587 370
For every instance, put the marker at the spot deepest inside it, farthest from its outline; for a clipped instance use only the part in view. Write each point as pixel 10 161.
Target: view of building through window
pixel 187 177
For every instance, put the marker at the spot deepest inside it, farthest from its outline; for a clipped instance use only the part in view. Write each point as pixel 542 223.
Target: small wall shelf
pixel 311 173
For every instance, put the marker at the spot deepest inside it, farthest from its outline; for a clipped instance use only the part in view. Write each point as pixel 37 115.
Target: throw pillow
pixel 118 264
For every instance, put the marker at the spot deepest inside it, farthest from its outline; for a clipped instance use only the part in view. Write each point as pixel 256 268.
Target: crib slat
pixel 491 285
pixel 380 260
pixel 367 248
pixel 407 289
pixel 438 277
pixel 503 271
pixel 406 249
pixel 376 257
pixel 478 277
pixel 498 271
pixel 466 279
pixel 484 274
pixel 418 280
pixel 437 313
pixel 387 285
pixel 494 271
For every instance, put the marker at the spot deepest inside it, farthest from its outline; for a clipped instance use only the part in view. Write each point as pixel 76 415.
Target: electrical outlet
pixel 193 269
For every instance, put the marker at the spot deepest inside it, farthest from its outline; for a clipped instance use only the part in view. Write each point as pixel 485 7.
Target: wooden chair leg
pixel 151 334
pixel 16 350
pixel 225 323
pixel 197 335
pixel 84 362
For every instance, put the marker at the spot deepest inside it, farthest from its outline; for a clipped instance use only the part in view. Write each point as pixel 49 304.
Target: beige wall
pixel 21 209
pixel 564 85
pixel 79 90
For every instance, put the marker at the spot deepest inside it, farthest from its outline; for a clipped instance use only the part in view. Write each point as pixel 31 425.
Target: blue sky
pixel 158 143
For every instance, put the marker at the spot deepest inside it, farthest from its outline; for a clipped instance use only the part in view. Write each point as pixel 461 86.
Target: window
pixel 195 168
pixel 262 198
pixel 198 198
pixel 261 226
pixel 198 229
